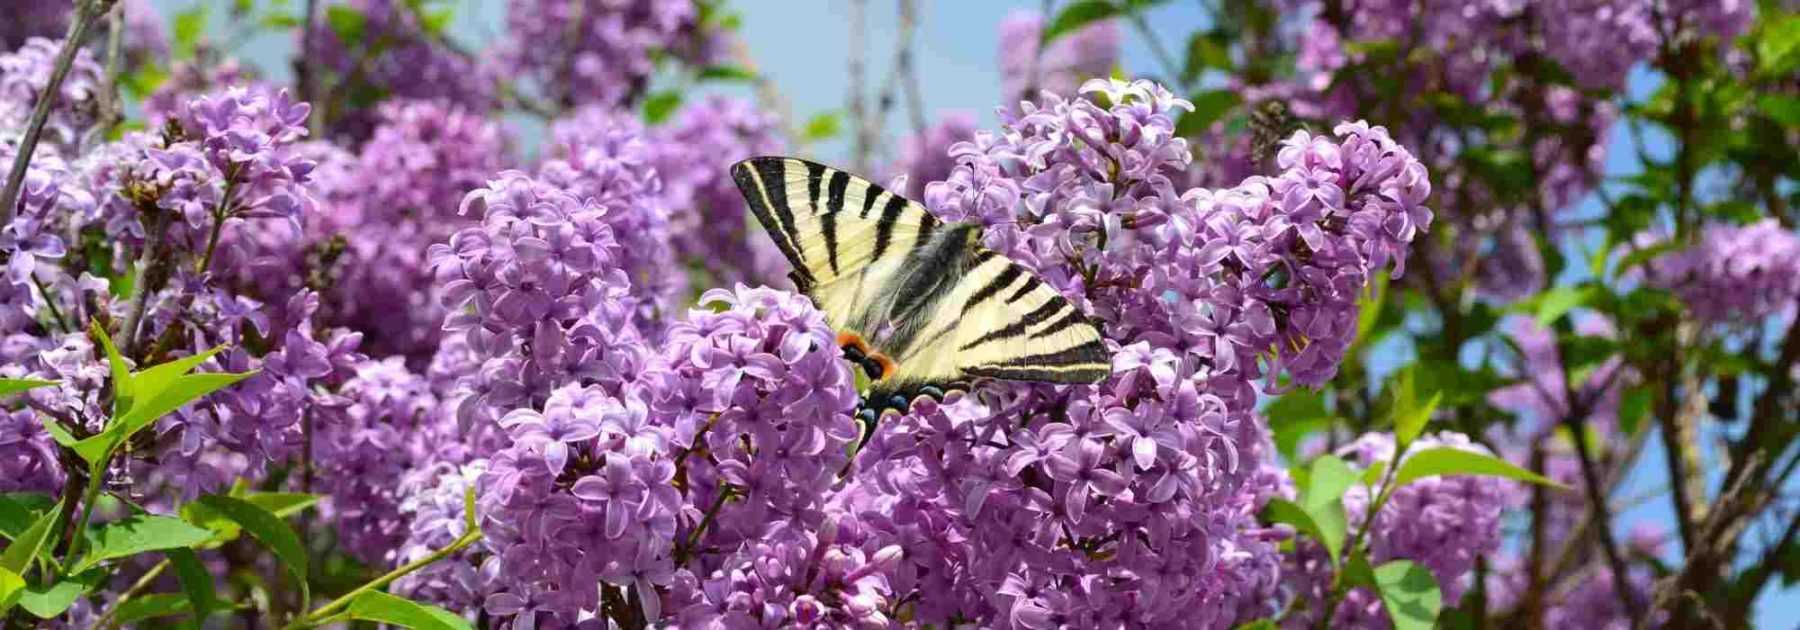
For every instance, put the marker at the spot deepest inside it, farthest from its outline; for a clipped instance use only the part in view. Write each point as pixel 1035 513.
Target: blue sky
pixel 802 46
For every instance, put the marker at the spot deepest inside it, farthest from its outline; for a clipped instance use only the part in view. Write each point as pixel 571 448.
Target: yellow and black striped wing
pixel 1002 322
pixel 832 225
pixel 916 291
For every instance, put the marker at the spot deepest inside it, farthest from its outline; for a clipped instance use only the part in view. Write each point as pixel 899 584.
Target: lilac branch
pixel 85 14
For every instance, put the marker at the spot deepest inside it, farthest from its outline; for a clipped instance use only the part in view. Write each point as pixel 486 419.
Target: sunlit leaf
pixel 1447 460
pixel 266 527
pixel 18 555
pixel 384 608
pixel 1409 593
pixel 139 533
pixel 10 386
pixel 1076 15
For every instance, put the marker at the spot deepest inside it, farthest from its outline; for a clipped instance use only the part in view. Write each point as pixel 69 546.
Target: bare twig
pixel 110 109
pixel 862 132
pixel 307 69
pixel 903 66
pixel 85 14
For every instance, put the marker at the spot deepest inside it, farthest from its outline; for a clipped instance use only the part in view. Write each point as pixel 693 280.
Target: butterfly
pixel 917 303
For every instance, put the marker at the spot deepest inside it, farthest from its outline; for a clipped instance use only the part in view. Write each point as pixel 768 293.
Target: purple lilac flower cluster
pixel 608 157
pixel 400 53
pixel 599 51
pixel 708 221
pixel 399 196
pixel 1595 43
pixel 926 158
pixel 145 39
pixel 1735 274
pixel 25 71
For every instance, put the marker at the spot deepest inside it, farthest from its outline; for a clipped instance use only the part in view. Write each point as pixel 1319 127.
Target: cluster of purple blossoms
pixel 760 400
pixel 708 221
pixel 145 38
pixel 1086 53
pixel 536 293
pixel 398 53
pixel 384 207
pixel 1133 501
pixel 926 158
pixel 1735 274
pixel 25 72
pixel 599 51
pixel 608 158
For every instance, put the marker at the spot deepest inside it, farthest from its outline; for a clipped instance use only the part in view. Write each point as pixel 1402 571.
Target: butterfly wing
pixel 1003 322
pixel 876 262
pixel 847 237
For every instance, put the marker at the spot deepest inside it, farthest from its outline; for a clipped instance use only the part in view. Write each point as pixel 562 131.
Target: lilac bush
pixel 482 331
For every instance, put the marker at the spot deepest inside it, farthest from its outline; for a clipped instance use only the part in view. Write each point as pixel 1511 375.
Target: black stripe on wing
pixel 764 185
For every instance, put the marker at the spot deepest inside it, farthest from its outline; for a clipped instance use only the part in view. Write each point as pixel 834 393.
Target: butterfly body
pixel 917 303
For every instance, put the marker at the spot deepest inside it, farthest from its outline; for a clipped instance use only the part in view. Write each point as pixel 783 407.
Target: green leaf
pixel 1634 406
pixel 1410 594
pixel 267 528
pixel 282 504
pixel 659 106
pixel 49 602
pixel 1372 475
pixel 121 375
pixel 1408 426
pixel 12 587
pixel 1259 624
pixel 1075 16
pixel 384 608
pixel 1206 49
pixel 1552 304
pixel 821 126
pixel 349 24
pixel 1331 535
pixel 1209 107
pixel 18 555
pixel 470 522
pixel 196 581
pixel 1778 50
pixel 152 606
pixel 1357 571
pixel 437 18
pixel 1410 415
pixel 19 510
pixel 61 435
pixel 151 382
pixel 189 25
pixel 1781 108
pixel 1368 306
pixel 177 394
pixel 1448 460
pixel 1295 415
pixel 10 386
pixel 727 73
pixel 140 533
pixel 1326 480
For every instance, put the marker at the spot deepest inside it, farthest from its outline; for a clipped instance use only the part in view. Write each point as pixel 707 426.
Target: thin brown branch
pixel 862 133
pixel 110 109
pixel 85 14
